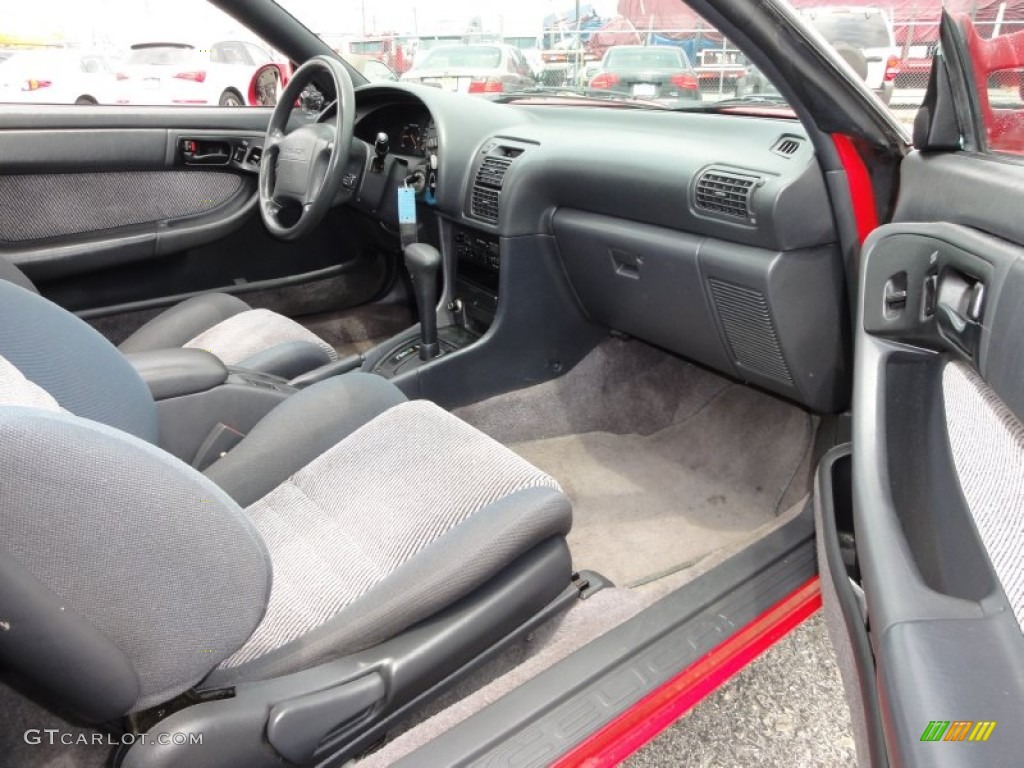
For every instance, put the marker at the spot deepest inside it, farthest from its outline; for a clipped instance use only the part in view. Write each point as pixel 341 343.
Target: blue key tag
pixel 407 215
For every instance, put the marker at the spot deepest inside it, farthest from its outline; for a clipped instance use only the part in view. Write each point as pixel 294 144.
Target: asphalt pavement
pixel 785 709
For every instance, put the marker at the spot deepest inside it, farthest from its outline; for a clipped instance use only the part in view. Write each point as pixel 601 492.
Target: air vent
pixel 726 194
pixel 786 146
pixel 749 330
pixel 485 204
pixel 487 187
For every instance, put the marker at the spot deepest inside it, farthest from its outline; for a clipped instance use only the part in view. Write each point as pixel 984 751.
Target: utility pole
pixel 579 44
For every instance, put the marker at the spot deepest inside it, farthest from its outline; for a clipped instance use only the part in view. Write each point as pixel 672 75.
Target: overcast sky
pixel 125 21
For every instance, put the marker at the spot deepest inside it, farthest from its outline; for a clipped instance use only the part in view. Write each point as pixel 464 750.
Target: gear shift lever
pixel 423 261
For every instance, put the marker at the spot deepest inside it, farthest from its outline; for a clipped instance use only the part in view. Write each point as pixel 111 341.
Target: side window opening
pixel 998 68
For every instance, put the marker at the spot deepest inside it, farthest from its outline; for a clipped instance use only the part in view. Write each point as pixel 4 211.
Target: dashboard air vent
pixel 487 187
pixel 726 193
pixel 786 146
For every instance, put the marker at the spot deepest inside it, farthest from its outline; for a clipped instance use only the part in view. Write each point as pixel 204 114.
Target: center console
pixel 475 258
pixel 477 267
pixel 204 408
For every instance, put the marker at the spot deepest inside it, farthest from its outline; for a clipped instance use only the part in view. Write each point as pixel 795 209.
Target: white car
pixel 56 76
pixel 865 38
pixel 181 73
pixel 481 69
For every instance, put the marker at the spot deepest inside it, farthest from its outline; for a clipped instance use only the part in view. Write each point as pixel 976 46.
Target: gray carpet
pixel 352 331
pixel 623 387
pixel 664 461
pixel 786 709
pixel 19 715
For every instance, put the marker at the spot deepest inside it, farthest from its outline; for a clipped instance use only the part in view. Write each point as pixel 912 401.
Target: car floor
pixel 21 715
pixel 672 469
pixel 546 646
pixel 665 462
pixel 352 331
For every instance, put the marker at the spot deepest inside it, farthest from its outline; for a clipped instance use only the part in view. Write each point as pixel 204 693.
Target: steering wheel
pixel 304 168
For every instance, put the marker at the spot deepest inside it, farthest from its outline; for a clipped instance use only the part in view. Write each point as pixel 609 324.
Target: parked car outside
pixel 182 73
pixel 475 69
pixel 864 37
pixel 55 76
pixel 648 72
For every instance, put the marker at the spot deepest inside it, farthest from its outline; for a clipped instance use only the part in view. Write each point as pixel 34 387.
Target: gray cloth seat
pixel 347 516
pixel 257 339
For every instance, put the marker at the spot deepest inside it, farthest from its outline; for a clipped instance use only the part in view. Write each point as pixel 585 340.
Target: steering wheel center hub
pixel 305 165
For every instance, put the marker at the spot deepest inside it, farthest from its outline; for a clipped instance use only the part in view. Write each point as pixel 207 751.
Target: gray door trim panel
pixel 976 190
pixel 44 260
pixel 34 118
pixel 946 643
pixel 55 140
pixel 237 289
pixel 39 151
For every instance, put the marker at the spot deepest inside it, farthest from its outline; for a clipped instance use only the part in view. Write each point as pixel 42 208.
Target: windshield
pixel 644 54
pixel 658 57
pixel 857 28
pixel 650 53
pixel 155 55
pixel 461 56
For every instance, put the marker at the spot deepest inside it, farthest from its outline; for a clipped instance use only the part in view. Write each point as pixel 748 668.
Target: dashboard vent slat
pixel 786 146
pixel 485 204
pixel 726 194
pixel 490 178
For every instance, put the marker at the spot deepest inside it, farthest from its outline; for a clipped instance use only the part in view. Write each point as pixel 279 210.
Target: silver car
pixel 478 69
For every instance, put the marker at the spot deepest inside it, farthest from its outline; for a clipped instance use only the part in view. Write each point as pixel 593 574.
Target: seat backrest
pixel 65 356
pixel 125 575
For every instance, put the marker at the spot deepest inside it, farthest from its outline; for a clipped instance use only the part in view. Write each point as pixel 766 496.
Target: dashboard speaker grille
pixel 749 330
pixel 725 193
pixel 487 188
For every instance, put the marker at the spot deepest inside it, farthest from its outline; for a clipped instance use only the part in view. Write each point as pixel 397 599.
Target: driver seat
pixel 227 327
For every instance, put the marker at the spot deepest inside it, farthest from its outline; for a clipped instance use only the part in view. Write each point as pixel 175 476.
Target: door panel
pixel 938 449
pixel 938 487
pixel 338 253
pixel 110 208
pixel 102 187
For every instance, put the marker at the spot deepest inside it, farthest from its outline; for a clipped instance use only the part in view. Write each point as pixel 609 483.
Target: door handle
pixel 205 152
pixel 959 304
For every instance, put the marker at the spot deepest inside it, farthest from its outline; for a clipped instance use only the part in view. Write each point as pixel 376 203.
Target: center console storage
pixel 204 407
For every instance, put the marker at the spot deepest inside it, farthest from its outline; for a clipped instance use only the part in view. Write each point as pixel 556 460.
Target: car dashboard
pixel 707 234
